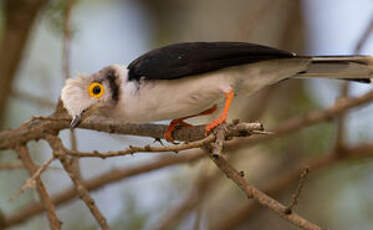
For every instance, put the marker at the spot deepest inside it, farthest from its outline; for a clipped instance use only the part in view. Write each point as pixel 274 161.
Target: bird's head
pixel 86 94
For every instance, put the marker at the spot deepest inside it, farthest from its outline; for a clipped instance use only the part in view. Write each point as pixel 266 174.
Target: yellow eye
pixel 96 90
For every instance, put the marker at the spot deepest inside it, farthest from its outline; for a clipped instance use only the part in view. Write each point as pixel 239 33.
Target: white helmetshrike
pixel 185 80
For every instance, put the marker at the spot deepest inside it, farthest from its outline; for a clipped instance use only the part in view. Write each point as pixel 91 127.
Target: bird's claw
pixel 174 123
pixel 168 136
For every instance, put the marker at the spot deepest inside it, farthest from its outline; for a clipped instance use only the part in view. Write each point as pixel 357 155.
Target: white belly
pixel 170 99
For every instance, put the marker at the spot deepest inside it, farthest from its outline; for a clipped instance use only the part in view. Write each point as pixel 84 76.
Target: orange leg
pixel 223 117
pixel 180 121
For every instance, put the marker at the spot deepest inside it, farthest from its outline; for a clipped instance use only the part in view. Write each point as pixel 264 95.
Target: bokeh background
pixel 117 31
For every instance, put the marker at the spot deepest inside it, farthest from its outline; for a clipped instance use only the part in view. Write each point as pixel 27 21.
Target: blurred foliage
pixel 55 14
pixel 10 182
pixel 309 141
pixel 339 196
pixel 132 216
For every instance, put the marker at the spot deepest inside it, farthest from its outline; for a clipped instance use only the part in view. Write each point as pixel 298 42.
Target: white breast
pixel 170 99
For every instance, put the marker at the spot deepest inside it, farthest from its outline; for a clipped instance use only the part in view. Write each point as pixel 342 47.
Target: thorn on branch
pixel 298 191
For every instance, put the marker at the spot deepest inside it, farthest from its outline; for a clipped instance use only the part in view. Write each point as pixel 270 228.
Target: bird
pixel 184 80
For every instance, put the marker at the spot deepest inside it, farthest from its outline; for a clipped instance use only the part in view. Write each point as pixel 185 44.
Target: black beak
pixel 76 121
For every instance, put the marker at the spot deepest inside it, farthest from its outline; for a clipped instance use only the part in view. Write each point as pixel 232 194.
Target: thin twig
pixel 364 37
pixel 23 153
pixel 147 148
pixel 112 176
pixel 215 154
pixel 341 122
pixel 298 191
pixel 56 145
pixel 75 161
pixel 240 129
pixel 31 181
pixel 9 166
pixel 281 182
pixel 231 130
pixel 259 196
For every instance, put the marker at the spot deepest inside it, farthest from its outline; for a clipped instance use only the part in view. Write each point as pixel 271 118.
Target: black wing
pixel 183 59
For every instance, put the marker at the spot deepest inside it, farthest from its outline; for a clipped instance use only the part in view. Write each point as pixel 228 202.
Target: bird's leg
pixel 223 117
pixel 180 121
pixel 171 127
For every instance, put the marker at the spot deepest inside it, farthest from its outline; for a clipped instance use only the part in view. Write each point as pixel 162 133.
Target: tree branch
pixel 262 198
pixel 30 181
pixel 54 222
pixel 298 191
pixel 215 153
pixel 104 179
pixel 36 129
pixel 56 145
pixel 288 177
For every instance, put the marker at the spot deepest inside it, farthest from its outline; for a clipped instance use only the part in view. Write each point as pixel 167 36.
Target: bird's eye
pixel 96 90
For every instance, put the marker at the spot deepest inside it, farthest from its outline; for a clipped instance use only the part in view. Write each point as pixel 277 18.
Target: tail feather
pixel 354 68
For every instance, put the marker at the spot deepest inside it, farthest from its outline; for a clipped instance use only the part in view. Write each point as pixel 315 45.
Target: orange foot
pixel 180 121
pixel 223 117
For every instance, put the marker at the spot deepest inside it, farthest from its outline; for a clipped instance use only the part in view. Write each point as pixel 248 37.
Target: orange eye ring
pixel 96 90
